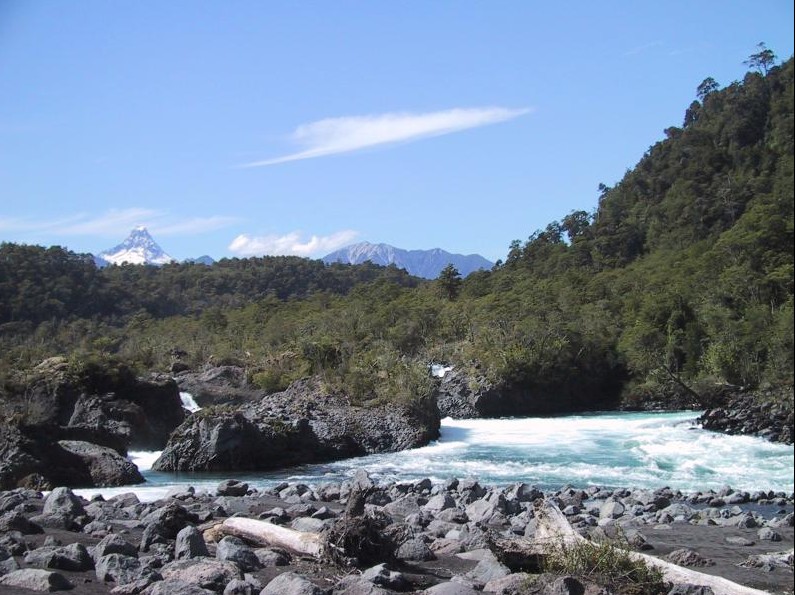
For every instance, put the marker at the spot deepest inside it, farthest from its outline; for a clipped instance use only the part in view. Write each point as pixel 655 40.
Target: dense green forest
pixel 681 279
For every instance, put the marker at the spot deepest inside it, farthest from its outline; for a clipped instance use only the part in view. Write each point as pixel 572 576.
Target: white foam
pixel 188 402
pixel 642 450
pixel 144 459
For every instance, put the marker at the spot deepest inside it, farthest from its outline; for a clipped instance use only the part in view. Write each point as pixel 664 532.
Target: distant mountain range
pixel 138 248
pixel 141 248
pixel 421 263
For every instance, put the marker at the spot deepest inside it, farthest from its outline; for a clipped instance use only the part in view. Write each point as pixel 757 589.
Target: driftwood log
pixel 553 531
pixel 359 538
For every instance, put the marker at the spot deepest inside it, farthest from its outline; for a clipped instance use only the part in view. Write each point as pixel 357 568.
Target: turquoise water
pixel 611 449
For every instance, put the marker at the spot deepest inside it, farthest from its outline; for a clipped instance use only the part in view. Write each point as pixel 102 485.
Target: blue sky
pixel 250 127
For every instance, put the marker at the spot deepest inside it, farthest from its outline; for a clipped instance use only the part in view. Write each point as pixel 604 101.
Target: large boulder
pixel 57 416
pixel 105 466
pixel 304 424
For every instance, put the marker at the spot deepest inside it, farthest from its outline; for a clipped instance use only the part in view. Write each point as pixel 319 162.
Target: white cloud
pixel 342 135
pixel 117 223
pixel 290 244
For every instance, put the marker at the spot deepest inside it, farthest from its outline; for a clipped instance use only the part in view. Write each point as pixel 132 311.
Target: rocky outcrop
pixel 219 385
pixel 74 427
pixel 303 424
pixel 463 395
pixel 766 415
pixel 103 404
pixel 30 458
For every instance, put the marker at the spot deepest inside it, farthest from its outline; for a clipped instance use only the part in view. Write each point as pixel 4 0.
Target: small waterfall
pixel 439 370
pixel 188 402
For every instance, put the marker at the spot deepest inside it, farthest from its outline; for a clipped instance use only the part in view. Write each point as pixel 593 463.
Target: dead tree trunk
pixel 358 538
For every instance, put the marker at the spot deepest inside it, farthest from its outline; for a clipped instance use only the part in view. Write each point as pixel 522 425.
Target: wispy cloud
pixel 290 244
pixel 115 223
pixel 642 48
pixel 343 135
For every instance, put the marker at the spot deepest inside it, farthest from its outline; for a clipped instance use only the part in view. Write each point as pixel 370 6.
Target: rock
pixel 488 569
pixel 269 557
pixel 686 557
pixel 102 406
pixel 439 503
pixel 768 534
pixel 73 557
pixel 121 569
pixel 565 585
pixel 114 544
pixel 233 549
pixel 513 584
pixel 450 588
pixel 176 587
pixel 290 583
pixel 190 544
pixel 232 487
pixel 105 466
pixel 63 501
pixel 414 550
pixel 768 414
pixel 381 575
pixel 611 510
pixel 16 521
pixel 739 540
pixel 690 589
pixel 288 428
pixel 36 580
pixel 204 572
pixel 241 587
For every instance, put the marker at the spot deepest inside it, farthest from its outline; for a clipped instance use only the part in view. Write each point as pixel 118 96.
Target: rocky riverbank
pixel 121 545
pixel 768 415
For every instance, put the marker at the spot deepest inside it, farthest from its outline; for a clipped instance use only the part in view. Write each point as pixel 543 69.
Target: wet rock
pixel 768 534
pixel 232 487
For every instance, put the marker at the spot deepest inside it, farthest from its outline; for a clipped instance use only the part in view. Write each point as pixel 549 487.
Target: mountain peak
pixel 421 263
pixel 139 248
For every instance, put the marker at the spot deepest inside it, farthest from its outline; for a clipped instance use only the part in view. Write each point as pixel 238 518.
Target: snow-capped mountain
pixel 421 263
pixel 138 248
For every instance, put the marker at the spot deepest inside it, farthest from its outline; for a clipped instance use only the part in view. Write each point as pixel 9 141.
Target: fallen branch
pixel 267 534
pixel 357 538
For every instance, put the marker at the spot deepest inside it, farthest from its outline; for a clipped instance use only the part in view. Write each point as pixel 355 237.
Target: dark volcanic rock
pixel 103 406
pixel 754 415
pixel 464 396
pixel 303 424
pixel 105 466
pixel 221 385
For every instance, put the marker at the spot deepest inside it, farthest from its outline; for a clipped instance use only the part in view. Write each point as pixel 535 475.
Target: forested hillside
pixel 679 281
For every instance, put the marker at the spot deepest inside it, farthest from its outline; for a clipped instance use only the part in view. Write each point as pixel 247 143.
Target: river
pixel 649 450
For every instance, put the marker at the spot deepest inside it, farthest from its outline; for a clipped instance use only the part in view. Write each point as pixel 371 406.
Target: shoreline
pixel 448 524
